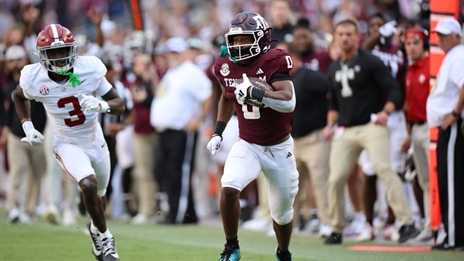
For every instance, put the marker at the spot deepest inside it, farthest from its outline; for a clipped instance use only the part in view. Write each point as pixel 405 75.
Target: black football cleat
pixel 230 253
pixel 109 249
pixel 408 232
pixel 96 244
pixel 285 257
pixel 333 239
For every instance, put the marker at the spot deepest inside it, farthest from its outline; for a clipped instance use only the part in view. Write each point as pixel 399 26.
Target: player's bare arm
pixel 22 104
pixel 23 109
pixel 282 99
pixel 115 102
pixel 372 41
pixel 283 90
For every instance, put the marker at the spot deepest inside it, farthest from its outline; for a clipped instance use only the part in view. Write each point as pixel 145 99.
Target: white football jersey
pixel 71 123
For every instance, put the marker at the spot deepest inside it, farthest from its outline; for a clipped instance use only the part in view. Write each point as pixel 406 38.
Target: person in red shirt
pixel 417 91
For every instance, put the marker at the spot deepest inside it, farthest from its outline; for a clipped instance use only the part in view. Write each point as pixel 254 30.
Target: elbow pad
pixel 280 105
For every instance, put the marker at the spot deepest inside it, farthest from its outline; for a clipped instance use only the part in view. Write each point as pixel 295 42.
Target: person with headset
pixel 416 45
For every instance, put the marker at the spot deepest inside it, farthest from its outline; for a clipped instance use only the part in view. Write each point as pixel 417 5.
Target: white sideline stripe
pixel 450 159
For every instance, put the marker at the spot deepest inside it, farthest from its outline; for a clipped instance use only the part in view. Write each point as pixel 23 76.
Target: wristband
pixel 220 127
pixel 455 114
pixel 257 94
pixel 27 125
pixel 104 107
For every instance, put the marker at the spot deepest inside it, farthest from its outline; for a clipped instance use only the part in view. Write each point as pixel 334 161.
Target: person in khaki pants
pixel 359 82
pixel 145 139
pixel 311 150
pixel 24 160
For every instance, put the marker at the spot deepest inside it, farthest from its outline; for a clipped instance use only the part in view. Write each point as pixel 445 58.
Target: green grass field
pixel 45 242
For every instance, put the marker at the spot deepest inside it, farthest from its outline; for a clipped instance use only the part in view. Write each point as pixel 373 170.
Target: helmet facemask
pixel 243 51
pixel 52 65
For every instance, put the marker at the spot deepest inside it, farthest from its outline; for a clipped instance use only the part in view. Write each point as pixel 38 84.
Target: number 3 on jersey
pixel 76 111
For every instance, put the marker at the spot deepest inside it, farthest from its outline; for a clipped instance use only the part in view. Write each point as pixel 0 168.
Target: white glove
pixel 214 145
pixel 91 103
pixel 33 136
pixel 388 29
pixel 241 90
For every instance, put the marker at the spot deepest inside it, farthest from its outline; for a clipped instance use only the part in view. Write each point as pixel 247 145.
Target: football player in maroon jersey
pixel 265 143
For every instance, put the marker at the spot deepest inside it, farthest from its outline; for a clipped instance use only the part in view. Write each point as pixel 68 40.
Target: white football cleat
pixel 69 218
pixel 13 215
pixel 324 231
pixel 367 234
pixel 52 215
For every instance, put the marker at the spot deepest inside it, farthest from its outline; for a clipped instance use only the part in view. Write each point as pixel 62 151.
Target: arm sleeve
pixel 26 88
pixel 279 77
pixel 103 87
pixel 388 84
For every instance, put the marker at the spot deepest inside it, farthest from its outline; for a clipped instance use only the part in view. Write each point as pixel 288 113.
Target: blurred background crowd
pixel 136 61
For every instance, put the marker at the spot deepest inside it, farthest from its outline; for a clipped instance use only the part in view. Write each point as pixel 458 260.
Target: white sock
pixel 93 228
pixel 360 216
pixel 106 234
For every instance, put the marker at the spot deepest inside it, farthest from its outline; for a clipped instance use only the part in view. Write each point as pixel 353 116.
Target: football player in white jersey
pixel 67 86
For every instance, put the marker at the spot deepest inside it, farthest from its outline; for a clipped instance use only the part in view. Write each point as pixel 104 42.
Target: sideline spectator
pixel 180 105
pixel 445 111
pixel 352 79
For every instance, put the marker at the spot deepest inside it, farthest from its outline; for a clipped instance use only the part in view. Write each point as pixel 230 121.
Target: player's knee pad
pixel 283 217
pixel 101 192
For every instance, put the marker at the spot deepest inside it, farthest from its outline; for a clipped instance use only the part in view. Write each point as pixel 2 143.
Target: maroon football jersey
pixel 257 125
pixel 317 61
pixel 395 61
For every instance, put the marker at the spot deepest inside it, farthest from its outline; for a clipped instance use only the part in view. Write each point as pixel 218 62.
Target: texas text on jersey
pixel 70 122
pixel 257 125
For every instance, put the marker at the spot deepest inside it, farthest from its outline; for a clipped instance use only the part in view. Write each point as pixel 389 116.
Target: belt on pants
pixel 412 123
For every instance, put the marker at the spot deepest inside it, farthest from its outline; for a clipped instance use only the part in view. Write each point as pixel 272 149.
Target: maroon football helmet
pixel 248 23
pixel 55 36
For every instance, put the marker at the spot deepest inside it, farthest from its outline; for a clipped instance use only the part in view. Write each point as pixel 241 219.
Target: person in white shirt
pixel 67 86
pixel 181 100
pixel 445 111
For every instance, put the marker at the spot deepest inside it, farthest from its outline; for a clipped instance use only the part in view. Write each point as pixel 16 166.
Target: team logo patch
pixel 63 89
pixel 225 69
pixel 44 90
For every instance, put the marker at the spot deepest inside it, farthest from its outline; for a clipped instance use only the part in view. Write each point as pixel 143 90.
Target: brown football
pixel 260 84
